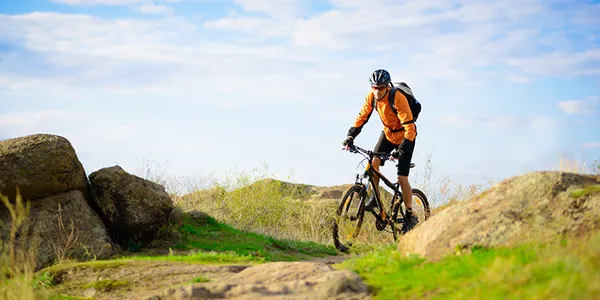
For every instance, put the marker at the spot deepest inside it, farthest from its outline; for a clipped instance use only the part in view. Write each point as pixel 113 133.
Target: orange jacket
pixel 393 124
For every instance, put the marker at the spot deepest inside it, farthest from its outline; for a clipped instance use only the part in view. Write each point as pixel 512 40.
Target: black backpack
pixel 415 106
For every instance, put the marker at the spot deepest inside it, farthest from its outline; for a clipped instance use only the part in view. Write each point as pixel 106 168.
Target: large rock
pixel 536 206
pixel 62 224
pixel 40 165
pixel 133 208
pixel 278 280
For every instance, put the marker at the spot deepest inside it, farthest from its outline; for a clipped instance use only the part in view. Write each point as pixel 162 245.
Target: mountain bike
pixel 349 217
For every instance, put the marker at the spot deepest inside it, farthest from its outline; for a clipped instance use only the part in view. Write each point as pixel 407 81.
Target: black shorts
pixel 384 145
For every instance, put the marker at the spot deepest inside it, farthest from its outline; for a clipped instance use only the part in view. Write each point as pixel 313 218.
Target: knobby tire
pixel 357 193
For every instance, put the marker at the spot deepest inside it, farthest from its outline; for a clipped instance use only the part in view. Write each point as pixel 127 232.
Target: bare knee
pixel 376 162
pixel 403 180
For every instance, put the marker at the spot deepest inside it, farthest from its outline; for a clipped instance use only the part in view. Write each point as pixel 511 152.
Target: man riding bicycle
pixel 399 133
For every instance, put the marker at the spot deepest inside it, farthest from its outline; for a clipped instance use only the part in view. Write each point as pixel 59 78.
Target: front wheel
pixel 349 217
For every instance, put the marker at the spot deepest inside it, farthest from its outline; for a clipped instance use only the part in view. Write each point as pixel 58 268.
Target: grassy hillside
pixel 198 231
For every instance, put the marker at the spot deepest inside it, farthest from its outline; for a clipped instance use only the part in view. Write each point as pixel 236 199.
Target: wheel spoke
pixel 349 218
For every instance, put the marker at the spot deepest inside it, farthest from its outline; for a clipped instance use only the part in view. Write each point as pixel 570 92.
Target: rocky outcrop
pixel 133 208
pixel 278 280
pixel 49 176
pixel 40 165
pixel 62 226
pixel 535 206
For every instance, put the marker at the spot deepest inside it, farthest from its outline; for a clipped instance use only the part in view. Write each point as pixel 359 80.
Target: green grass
pixel 256 202
pixel 63 297
pixel 213 242
pixel 201 258
pixel 200 279
pixel 43 279
pixel 106 285
pixel 48 272
pixel 204 240
pixel 590 189
pixel 567 270
pixel 210 235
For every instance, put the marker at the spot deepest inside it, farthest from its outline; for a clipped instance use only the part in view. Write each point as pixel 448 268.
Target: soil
pixel 139 279
pixel 134 279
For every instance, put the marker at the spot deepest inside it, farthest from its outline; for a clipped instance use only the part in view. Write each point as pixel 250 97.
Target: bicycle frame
pixel 368 174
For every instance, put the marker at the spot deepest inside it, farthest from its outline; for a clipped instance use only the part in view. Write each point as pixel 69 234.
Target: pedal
pixel 399 220
pixel 379 225
pixel 343 248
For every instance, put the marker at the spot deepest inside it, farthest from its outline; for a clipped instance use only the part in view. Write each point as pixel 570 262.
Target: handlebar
pixel 382 155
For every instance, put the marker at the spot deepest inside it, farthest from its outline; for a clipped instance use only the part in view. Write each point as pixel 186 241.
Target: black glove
pixel 349 141
pixel 398 153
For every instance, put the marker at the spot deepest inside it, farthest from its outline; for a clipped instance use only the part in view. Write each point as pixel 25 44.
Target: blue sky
pixel 214 87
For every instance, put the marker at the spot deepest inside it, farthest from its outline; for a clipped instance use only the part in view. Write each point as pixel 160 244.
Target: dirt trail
pixel 330 260
pixel 136 279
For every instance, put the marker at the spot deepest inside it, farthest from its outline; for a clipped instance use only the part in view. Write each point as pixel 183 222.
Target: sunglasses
pixel 379 88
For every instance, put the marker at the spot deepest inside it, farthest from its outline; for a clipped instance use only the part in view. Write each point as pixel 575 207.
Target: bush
pixel 264 205
pixel 17 264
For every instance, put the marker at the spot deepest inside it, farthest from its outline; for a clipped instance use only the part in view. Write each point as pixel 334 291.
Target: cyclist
pixel 399 133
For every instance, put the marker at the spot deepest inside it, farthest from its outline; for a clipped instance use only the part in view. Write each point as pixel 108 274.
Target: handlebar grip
pixel 398 154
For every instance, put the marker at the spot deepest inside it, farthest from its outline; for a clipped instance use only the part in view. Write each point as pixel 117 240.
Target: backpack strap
pixel 373 102
pixel 405 89
pixel 391 99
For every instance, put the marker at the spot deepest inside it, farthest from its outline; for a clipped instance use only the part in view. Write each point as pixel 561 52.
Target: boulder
pixel 61 226
pixel 40 165
pixel 536 206
pixel 132 208
pixel 278 280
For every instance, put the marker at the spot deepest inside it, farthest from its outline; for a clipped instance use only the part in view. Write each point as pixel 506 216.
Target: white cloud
pixel 108 2
pixel 441 40
pixel 155 9
pixel 455 120
pixel 253 26
pixel 170 57
pixel 500 122
pixel 314 63
pixel 580 107
pixel 519 79
pixel 100 2
pixel 572 107
pixel 420 42
pixel 165 58
pixel 31 118
pixel 74 125
pixel 561 64
pixel 277 9
pixel 591 145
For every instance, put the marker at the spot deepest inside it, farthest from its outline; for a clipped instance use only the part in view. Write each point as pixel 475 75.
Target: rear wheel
pixel 349 217
pixel 420 207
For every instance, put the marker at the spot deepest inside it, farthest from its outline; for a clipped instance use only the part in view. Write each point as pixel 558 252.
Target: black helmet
pixel 380 77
